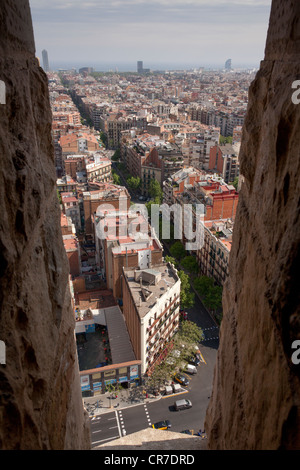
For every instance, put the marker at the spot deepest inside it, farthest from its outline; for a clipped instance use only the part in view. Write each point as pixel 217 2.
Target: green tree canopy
pixel 116 155
pixel 159 376
pixel 225 140
pixel 155 190
pixel 170 259
pixel 203 284
pixel 187 297
pixel 235 182
pixel 177 250
pixel 103 137
pixel 133 183
pixel 190 264
pixel 213 299
pixel 116 177
pixel 210 294
pixel 149 204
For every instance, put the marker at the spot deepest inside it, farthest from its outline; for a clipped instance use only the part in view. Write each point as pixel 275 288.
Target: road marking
pixel 208 339
pixel 147 415
pixel 117 418
pixel 94 432
pixel 95 418
pixel 203 360
pixel 175 395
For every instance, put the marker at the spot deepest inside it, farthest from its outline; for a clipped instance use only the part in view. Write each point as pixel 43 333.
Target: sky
pixel 118 33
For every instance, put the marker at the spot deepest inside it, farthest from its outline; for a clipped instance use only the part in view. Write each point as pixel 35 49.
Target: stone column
pixel 255 402
pixel 40 400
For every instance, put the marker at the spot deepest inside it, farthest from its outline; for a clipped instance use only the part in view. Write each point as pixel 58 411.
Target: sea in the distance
pixel 132 66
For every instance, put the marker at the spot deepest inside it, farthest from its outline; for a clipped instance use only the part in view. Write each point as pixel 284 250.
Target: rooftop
pixel 148 285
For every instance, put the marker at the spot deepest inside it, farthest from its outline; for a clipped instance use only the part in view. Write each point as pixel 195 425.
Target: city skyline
pixel 162 34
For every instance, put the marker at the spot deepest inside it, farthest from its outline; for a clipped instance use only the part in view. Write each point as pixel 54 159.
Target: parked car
pixel 191 369
pixel 182 404
pixel 182 379
pixel 176 388
pixel 194 360
pixel 163 425
pixel 168 390
pixel 191 432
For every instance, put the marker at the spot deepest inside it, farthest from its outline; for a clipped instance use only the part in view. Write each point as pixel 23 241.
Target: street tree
pixel 116 177
pixel 177 250
pixel 133 183
pixel 203 285
pixel 155 190
pixel 190 264
pixel 187 297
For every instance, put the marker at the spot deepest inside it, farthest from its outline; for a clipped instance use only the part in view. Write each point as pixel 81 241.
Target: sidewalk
pixel 107 402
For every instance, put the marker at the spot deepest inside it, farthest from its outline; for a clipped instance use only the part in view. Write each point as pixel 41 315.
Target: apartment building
pixel 71 208
pixel 151 302
pixel 74 164
pixel 107 194
pixel 66 184
pixel 114 124
pixel 136 253
pixel 177 182
pixel 126 240
pixel 78 143
pixel 198 191
pixel 225 119
pixel 225 161
pixel 213 257
pixel 71 245
pixel 151 168
pixel 99 170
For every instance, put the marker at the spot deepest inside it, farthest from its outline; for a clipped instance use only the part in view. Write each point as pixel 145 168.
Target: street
pixel 124 420
pixel 127 418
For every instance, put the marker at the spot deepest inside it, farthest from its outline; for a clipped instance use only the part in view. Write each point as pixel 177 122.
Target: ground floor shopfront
pixel 108 378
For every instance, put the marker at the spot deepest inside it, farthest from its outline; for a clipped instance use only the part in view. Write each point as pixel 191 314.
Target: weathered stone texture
pixel 256 396
pixel 40 400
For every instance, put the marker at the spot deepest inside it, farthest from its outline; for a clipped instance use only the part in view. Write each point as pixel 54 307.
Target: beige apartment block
pixel 151 302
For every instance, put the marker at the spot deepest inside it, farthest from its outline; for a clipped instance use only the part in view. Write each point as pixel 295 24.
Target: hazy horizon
pixel 132 66
pixel 180 33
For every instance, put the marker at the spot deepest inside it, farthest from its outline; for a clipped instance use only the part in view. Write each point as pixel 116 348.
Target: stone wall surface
pixel 40 400
pixel 255 402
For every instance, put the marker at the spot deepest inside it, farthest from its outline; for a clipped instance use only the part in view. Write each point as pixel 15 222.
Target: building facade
pixel 151 302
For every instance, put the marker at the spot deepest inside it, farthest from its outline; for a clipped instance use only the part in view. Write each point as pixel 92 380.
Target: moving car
pixel 163 425
pixel 182 379
pixel 182 404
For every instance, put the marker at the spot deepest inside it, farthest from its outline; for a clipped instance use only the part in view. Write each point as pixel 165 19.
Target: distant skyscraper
pixel 228 64
pixel 140 66
pixel 45 61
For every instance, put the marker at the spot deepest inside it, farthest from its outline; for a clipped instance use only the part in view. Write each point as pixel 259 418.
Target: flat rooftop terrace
pixel 149 285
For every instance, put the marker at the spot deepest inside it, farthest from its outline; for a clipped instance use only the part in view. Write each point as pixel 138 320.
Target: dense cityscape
pixel 124 143
pixel 150 228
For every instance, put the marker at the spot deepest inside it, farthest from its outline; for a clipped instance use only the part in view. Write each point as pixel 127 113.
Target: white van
pixel 191 369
